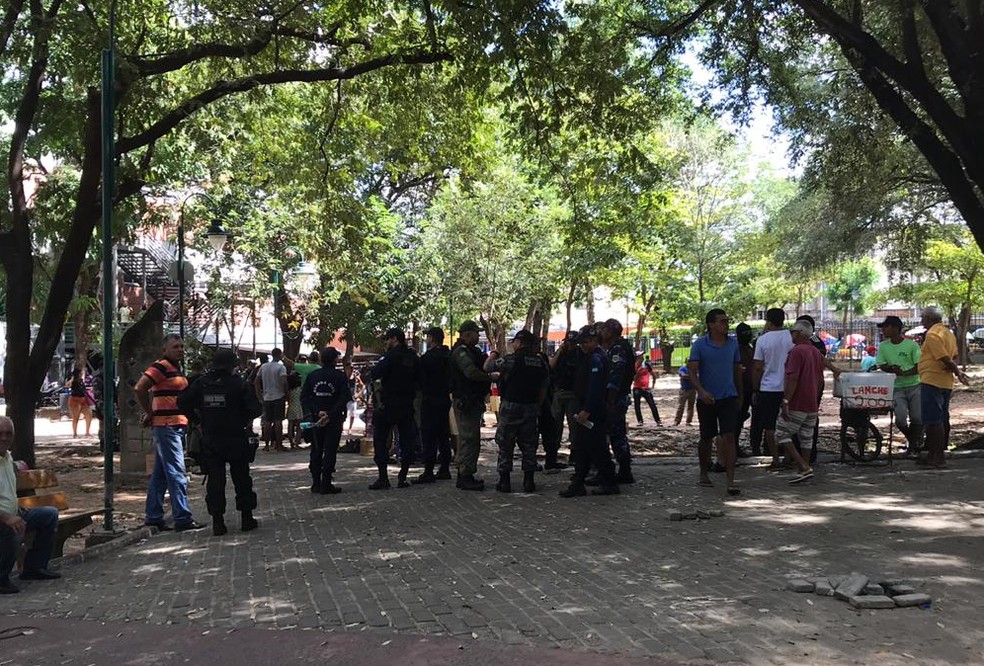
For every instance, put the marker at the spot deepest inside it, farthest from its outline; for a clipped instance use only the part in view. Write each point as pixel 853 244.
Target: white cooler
pixel 865 390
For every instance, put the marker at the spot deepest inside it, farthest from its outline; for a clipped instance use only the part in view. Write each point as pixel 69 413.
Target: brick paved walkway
pixel 607 574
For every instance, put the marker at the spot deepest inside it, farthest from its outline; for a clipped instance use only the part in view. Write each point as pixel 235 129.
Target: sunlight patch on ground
pixel 937 560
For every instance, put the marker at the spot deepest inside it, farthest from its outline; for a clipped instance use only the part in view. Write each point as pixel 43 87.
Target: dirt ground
pixel 79 462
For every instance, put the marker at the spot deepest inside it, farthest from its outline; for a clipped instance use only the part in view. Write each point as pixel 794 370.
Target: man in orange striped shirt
pixel 157 392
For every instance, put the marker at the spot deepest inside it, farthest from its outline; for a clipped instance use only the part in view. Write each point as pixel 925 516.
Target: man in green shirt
pixel 900 356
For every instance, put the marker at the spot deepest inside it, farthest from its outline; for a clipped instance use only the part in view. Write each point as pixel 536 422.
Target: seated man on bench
pixel 16 522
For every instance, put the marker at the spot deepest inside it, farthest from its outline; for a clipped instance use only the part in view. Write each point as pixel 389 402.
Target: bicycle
pixel 860 438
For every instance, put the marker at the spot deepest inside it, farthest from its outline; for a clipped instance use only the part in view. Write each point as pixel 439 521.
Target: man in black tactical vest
pixel 563 370
pixel 588 447
pixel 523 387
pixel 395 377
pixel 621 357
pixel 435 407
pixel 324 396
pixel 226 406
pixel 470 384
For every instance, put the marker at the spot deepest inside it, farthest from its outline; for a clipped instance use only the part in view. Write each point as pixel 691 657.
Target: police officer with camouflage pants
pixel 621 357
pixel 523 387
pixel 470 384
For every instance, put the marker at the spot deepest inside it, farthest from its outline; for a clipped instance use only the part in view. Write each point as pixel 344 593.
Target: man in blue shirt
pixel 715 372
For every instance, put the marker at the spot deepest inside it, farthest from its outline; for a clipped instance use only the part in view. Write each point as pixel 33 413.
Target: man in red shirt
pixel 157 392
pixel 803 386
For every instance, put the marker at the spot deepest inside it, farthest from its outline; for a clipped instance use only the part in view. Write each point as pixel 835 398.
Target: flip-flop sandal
pixel 705 484
pixel 734 491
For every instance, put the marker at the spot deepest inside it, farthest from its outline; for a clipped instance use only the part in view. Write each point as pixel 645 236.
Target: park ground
pixel 434 575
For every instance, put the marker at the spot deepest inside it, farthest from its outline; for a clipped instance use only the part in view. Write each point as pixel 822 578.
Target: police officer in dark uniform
pixel 563 371
pixel 396 378
pixel 523 380
pixel 324 396
pixel 621 357
pixel 588 446
pixel 470 384
pixel 435 408
pixel 226 406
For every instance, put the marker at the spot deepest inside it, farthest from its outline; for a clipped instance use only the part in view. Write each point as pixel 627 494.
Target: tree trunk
pixel 291 323
pixel 21 392
pixel 569 303
pixel 83 316
pixel 590 301
pixel 963 325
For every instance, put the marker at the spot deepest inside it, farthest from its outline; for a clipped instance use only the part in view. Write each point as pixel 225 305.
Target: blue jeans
pixel 43 522
pixel 169 475
pixel 935 405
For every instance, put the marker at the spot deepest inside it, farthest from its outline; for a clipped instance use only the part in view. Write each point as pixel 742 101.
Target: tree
pixel 951 276
pixel 171 64
pixel 496 241
pixel 851 289
pixel 918 59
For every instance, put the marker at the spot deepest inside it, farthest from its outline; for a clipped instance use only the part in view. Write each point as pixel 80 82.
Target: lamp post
pixel 108 93
pixel 216 236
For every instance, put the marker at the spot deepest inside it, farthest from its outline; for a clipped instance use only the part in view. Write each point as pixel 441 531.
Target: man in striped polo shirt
pixel 157 392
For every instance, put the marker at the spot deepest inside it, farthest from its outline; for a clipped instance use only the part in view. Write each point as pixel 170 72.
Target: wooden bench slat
pixel 57 500
pixel 34 479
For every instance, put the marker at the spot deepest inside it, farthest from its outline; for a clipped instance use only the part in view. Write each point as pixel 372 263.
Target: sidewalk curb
pixel 102 549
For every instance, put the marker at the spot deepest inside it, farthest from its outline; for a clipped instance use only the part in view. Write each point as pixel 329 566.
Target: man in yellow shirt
pixel 937 367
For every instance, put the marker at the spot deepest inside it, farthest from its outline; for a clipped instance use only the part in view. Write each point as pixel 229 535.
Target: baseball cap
pixel 524 336
pixel 802 326
pixel 395 333
pixel 891 320
pixel 469 325
pixel 586 333
pixel 435 332
pixel 329 354
pixel 871 349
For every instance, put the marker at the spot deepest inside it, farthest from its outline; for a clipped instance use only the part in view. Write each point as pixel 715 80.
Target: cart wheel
pixel 863 449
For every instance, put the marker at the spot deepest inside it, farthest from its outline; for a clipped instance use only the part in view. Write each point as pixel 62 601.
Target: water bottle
pixel 307 425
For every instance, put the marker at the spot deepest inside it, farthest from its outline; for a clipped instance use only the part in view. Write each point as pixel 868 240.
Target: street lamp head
pixel 217 236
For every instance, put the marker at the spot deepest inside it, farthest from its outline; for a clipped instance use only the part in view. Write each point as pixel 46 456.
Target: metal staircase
pixel 146 262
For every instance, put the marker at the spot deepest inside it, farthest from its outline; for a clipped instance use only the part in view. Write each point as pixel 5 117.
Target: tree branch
pixel 677 26
pixel 875 57
pixel 943 160
pixel 963 52
pixel 9 21
pixel 225 88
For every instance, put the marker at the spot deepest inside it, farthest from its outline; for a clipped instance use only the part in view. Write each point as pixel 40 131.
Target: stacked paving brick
pixel 862 592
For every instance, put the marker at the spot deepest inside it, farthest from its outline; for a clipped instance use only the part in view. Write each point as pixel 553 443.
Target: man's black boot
pixel 218 525
pixel 248 522
pixel 529 486
pixel 444 473
pixel 592 480
pixel 316 486
pixel 505 483
pixel 606 490
pixel 574 490
pixel 427 476
pixel 624 473
pixel 382 483
pixel 401 478
pixel 469 482
pixel 328 488
pixel 551 462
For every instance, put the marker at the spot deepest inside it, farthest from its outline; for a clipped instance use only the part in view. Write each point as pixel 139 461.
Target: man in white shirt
pixel 271 389
pixel 771 350
pixel 16 522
